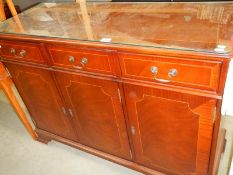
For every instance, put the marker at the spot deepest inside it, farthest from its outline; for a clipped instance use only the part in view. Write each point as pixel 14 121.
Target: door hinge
pixel 131 155
pixel 133 130
pixel 119 94
pixel 214 114
pixel 71 112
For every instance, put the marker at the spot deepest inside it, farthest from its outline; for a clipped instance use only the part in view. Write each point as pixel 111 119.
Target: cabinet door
pixel 97 113
pixel 171 132
pixel 38 91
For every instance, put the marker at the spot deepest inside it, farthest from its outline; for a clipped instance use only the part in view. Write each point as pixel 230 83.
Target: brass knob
pixel 172 73
pixel 71 59
pixel 13 51
pixel 22 53
pixel 154 70
pixel 84 61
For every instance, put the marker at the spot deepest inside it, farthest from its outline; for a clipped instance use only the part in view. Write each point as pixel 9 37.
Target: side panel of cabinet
pixel 171 132
pixel 97 113
pixel 37 88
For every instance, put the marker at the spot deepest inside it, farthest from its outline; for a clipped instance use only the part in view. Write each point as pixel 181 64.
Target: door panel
pixel 97 113
pixel 171 132
pixel 42 99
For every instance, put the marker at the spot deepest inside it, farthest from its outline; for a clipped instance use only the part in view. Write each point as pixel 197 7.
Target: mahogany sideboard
pixel 139 84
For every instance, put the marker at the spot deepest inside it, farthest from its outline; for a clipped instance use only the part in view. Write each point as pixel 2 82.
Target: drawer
pixel 82 59
pixel 21 51
pixel 201 74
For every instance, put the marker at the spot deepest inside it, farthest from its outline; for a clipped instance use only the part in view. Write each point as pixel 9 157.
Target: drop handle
pixel 171 73
pixel 72 61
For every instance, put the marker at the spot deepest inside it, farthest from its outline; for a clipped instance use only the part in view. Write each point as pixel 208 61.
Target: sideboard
pixel 139 84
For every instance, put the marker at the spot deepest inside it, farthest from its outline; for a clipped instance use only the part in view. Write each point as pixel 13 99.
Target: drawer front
pixel 21 51
pixel 201 74
pixel 82 59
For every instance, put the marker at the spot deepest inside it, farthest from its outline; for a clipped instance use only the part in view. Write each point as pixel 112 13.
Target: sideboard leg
pixel 43 139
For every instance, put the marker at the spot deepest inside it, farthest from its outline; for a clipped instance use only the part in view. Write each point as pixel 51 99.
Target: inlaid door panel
pixel 171 132
pixel 42 99
pixel 96 112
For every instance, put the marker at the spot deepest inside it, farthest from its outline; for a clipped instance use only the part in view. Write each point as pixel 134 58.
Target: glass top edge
pixel 127 44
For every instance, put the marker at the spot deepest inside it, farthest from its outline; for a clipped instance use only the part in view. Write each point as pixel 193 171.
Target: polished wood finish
pixel 215 136
pixel 95 109
pixel 112 105
pixel 186 26
pixel 139 66
pixel 220 150
pixel 87 94
pixel 92 92
pixel 97 60
pixel 172 131
pixel 6 85
pixel 21 51
pixel 43 138
pixel 41 97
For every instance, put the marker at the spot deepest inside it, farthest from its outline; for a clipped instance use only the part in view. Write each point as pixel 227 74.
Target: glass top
pixel 206 27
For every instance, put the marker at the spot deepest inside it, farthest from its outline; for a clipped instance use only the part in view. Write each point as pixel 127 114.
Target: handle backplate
pixel 22 53
pixel 13 51
pixel 84 61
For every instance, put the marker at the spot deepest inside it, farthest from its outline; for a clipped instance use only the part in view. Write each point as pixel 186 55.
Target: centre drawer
pixel 90 60
pixel 195 73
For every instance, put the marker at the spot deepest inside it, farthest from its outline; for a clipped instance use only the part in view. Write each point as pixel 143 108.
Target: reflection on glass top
pixel 186 26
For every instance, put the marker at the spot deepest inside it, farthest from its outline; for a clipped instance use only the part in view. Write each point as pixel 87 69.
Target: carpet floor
pixel 20 155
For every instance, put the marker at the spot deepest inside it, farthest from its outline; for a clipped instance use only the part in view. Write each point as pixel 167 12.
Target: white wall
pixel 227 106
pixel 231 170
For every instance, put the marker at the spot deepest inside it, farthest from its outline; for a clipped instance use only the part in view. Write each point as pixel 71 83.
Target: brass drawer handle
pixel 171 73
pixel 13 51
pixel 162 80
pixel 22 53
pixel 72 61
pixel 84 61
pixel 154 70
